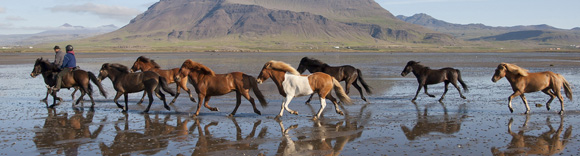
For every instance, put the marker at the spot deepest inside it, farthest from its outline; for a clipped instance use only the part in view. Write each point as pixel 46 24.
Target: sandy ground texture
pixel 390 124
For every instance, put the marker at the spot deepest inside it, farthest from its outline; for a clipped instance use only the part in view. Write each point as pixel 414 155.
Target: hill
pixel 65 32
pixel 266 24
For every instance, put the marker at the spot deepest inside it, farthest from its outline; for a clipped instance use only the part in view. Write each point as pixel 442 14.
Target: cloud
pixel 404 2
pixel 103 11
pixel 2 10
pixel 15 18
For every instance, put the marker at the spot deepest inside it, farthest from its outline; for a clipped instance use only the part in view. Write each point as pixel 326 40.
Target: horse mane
pixel 417 64
pixel 147 60
pixel 515 69
pixel 315 62
pixel 192 65
pixel 279 65
pixel 45 63
pixel 119 67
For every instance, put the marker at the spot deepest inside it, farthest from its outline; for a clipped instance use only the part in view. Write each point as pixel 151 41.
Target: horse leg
pixel 142 98
pixel 322 106
pixel 246 94
pixel 92 101
pixel 559 94
pixel 161 97
pixel 552 96
pixel 126 96
pixel 430 95
pixel 310 98
pixel 47 92
pixel 417 93
pixel 526 103
pixel 200 97
pixel 284 106
pixel 74 92
pixel 238 101
pixel 54 97
pixel 359 91
pixel 117 98
pixel 83 92
pixel 458 90
pixel 150 96
pixel 206 104
pixel 177 92
pixel 444 91
pixel 334 101
pixel 516 93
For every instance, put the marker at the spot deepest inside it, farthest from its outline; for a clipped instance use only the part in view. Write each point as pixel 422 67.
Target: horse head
pixel 500 72
pixel 264 73
pixel 409 68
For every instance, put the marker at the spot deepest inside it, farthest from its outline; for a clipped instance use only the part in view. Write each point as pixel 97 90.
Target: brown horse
pixel 208 84
pixel 291 84
pixel 524 82
pixel 75 79
pixel 125 83
pixel 427 76
pixel 347 73
pixel 145 64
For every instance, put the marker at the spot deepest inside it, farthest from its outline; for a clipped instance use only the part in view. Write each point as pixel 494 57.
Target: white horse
pixel 291 84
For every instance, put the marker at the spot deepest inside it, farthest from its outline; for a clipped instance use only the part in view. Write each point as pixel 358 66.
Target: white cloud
pixel 2 10
pixel 15 18
pixel 104 11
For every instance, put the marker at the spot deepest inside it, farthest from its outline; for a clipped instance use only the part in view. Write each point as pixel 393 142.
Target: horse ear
pixel 268 65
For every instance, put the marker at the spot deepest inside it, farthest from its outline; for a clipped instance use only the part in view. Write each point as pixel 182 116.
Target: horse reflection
pixel 547 143
pixel 446 124
pixel 155 137
pixel 207 144
pixel 323 133
pixel 65 135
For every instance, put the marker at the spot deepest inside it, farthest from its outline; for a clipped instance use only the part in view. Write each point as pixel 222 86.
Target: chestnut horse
pixel 427 76
pixel 208 84
pixel 125 83
pixel 145 64
pixel 75 79
pixel 347 73
pixel 523 81
pixel 291 84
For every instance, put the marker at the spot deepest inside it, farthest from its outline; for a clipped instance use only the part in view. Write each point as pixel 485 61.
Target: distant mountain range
pixel 65 32
pixel 478 32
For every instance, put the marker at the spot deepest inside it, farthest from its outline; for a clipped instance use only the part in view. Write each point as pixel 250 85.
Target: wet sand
pixel 389 125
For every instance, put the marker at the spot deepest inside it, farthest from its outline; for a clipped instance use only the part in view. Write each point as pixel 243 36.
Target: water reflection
pixel 426 124
pixel 65 135
pixel 151 141
pixel 208 144
pixel 319 139
pixel 547 143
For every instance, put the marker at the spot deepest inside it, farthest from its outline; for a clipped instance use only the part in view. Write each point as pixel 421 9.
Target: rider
pixel 68 63
pixel 58 57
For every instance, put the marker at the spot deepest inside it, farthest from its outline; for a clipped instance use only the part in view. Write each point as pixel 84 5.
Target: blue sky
pixel 33 16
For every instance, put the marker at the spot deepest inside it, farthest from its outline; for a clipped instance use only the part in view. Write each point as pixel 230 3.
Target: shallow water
pixel 389 125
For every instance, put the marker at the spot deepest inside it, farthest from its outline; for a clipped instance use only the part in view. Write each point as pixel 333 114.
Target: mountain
pixel 65 32
pixel 477 32
pixel 285 24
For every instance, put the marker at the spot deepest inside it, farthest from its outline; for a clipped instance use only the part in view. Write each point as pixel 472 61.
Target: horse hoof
pixel 295 113
pixel 561 112
pixel 258 112
pixel 314 118
pixel 168 108
pixel 463 97
pixel 341 113
pixel 432 96
pixel 230 115
pixel 277 117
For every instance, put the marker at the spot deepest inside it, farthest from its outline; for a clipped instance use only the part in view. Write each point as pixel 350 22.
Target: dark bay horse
pixel 208 84
pixel 427 76
pixel 125 83
pixel 347 73
pixel 291 84
pixel 523 81
pixel 75 79
pixel 145 64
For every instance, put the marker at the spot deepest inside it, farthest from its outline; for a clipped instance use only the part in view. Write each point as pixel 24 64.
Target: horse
pixel 125 83
pixel 75 79
pixel 427 76
pixel 347 73
pixel 291 84
pixel 145 64
pixel 523 81
pixel 208 84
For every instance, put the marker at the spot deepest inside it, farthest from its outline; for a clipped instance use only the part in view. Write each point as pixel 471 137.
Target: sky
pixel 33 16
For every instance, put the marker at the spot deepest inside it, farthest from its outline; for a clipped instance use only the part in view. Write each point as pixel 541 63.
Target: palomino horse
pixel 291 84
pixel 125 83
pixel 347 73
pixel 75 79
pixel 427 76
pixel 145 64
pixel 208 84
pixel 524 82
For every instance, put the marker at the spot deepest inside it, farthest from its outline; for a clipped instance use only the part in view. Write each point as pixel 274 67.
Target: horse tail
pixel 96 81
pixel 257 92
pixel 465 89
pixel 362 81
pixel 567 88
pixel 163 84
pixel 340 92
